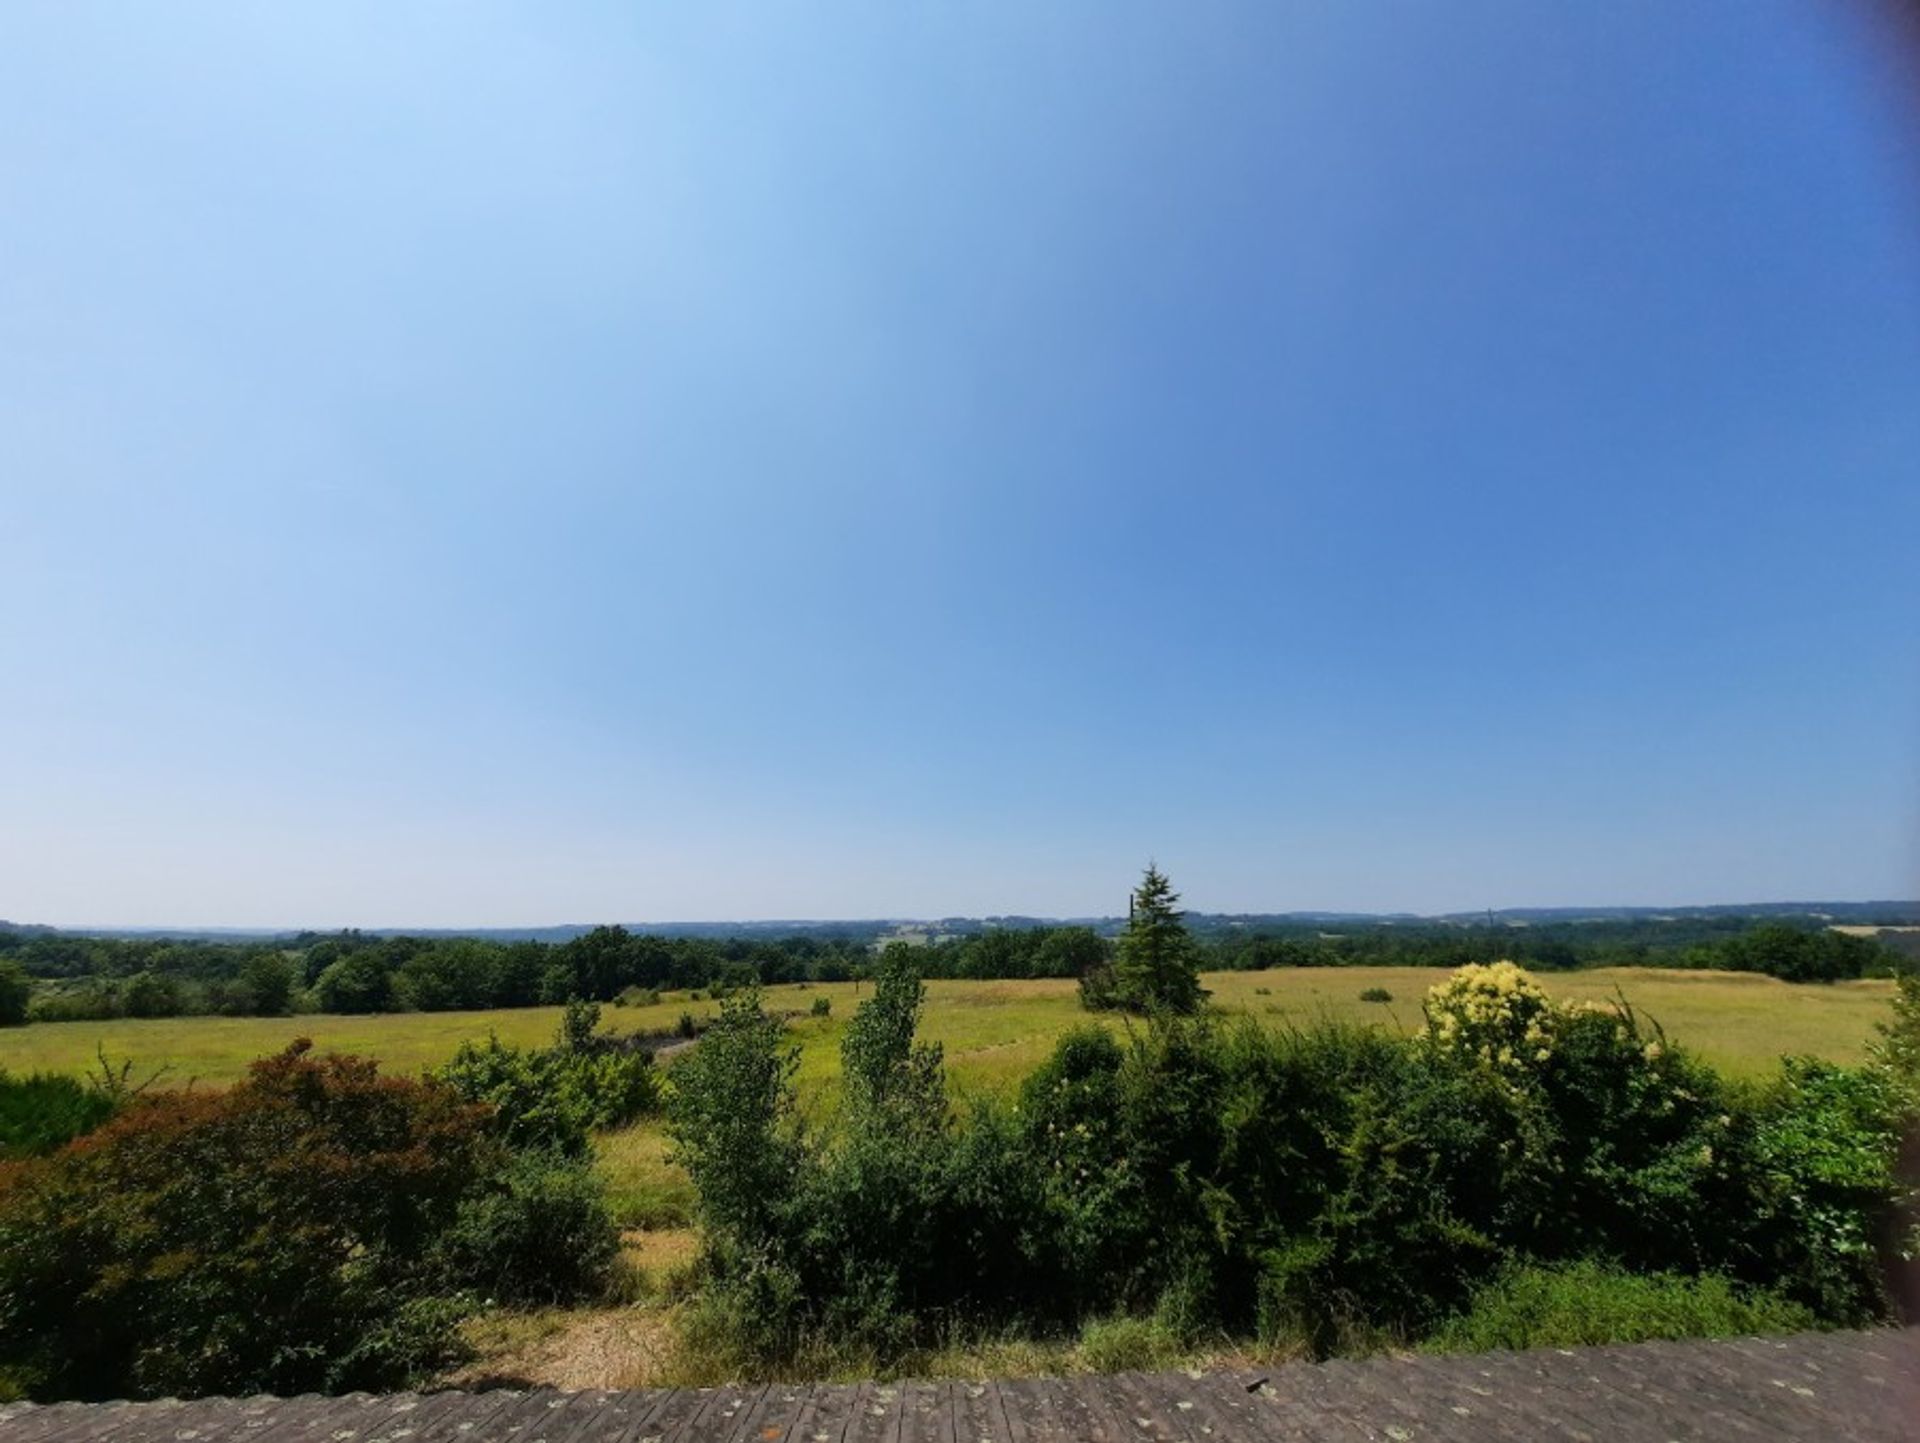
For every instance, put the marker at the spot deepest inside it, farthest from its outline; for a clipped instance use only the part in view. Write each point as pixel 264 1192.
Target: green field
pixel 994 1032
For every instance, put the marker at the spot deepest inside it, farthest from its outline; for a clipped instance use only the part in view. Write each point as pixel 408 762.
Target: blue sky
pixel 517 464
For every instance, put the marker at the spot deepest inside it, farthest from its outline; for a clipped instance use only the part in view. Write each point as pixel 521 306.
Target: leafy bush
pixel 537 1231
pixel 1371 994
pixel 1329 1186
pixel 265 1239
pixel 1818 1187
pixel 151 994
pixel 40 1112
pixel 15 991
pixel 728 1114
pixel 822 1007
pixel 1590 1303
pixel 358 982
pixel 552 1098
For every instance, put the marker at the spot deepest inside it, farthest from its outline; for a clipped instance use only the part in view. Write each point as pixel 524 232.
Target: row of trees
pixel 70 977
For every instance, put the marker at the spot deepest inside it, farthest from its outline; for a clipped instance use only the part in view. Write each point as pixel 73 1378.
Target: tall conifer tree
pixel 1155 968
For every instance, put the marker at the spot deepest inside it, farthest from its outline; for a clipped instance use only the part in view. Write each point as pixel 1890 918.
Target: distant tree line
pixel 59 976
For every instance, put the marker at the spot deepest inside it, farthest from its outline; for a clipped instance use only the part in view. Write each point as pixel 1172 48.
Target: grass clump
pixel 1127 1344
pixel 1589 1303
pixel 1376 994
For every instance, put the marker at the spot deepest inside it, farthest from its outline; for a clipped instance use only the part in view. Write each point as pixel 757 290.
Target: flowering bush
pixel 1493 1013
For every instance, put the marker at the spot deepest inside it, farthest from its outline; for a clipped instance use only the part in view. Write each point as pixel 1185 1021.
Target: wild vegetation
pixel 1331 1186
pixel 1157 1167
pixel 316 1226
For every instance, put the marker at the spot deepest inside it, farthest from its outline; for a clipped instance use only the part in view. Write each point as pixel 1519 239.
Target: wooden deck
pixel 1827 1387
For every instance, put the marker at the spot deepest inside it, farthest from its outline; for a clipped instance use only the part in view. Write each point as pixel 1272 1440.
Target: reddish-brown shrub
pixel 267 1238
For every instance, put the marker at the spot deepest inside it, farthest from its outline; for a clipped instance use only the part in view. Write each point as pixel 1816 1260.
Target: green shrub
pixel 1374 994
pixel 40 1112
pixel 1626 1147
pixel 729 1114
pixel 15 991
pixel 151 994
pixel 822 1007
pixel 266 985
pixel 264 1239
pixel 1591 1303
pixel 535 1232
pixel 552 1098
pixel 1815 1186
pixel 89 1002
pixel 358 982
pixel 1332 1186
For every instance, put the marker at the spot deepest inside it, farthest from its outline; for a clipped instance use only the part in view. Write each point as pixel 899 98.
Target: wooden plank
pixel 807 1419
pixel 524 1418
pixel 1030 1417
pixel 977 1416
pixel 464 1419
pixel 876 1417
pixel 73 1420
pixel 828 1412
pixel 209 1420
pixel 1512 1388
pixel 1077 1418
pixel 581 1413
pixel 926 1413
pixel 1147 1414
pixel 290 1420
pixel 643 1409
pixel 1196 1409
pixel 726 1406
pixel 1374 1395
pixel 771 1418
pixel 679 1408
pixel 1096 1395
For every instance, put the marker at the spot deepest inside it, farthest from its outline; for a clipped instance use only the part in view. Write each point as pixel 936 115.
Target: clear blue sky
pixel 515 464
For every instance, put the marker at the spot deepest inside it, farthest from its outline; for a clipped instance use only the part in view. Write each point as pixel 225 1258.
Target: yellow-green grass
pixel 994 1032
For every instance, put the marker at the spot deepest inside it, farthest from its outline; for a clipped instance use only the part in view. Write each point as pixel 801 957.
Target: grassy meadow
pixel 993 1032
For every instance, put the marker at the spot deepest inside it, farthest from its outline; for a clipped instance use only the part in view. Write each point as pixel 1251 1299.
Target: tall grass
pixel 1589 1303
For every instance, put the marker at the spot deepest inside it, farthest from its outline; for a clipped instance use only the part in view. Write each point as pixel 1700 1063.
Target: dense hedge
pixel 1326 1185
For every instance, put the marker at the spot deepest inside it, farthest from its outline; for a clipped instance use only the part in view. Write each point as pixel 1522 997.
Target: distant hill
pixel 1872 913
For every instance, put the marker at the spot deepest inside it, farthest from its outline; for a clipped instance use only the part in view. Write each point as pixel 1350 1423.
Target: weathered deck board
pixel 1816 1388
